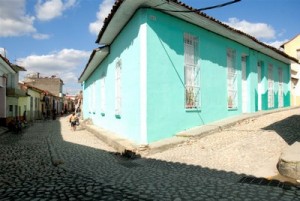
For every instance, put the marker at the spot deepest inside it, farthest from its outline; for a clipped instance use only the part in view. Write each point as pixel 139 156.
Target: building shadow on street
pixel 288 129
pixel 136 173
pixel 133 174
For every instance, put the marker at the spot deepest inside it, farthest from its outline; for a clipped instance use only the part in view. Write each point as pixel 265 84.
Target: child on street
pixel 73 120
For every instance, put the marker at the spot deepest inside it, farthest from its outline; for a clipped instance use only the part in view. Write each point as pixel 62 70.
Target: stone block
pixel 289 161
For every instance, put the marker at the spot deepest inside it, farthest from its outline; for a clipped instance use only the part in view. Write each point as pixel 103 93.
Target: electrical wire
pixel 201 9
pixel 218 6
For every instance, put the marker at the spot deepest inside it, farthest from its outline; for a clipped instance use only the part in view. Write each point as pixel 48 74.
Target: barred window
pixel 270 87
pixel 102 82
pixel 191 72
pixel 232 92
pixel 280 88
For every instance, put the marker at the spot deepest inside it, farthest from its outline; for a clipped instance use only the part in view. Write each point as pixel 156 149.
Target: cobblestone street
pixel 48 161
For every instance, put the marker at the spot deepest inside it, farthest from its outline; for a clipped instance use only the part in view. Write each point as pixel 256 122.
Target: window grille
pixel 231 79
pixel 118 96
pixel 259 67
pixel 259 84
pixel 191 72
pixel 270 87
pixel 280 88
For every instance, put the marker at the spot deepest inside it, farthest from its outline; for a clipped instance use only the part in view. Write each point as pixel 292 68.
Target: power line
pixel 200 9
pixel 219 6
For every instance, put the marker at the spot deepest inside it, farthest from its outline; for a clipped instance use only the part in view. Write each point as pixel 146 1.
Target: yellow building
pixel 31 103
pixel 292 48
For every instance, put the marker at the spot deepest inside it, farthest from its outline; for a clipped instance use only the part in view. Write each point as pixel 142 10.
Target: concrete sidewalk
pixel 120 144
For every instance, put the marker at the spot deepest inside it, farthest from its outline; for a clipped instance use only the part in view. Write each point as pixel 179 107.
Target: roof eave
pixel 97 56
pixel 5 63
pixel 282 46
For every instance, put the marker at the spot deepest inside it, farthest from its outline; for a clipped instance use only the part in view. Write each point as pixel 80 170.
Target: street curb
pixel 55 160
pixel 121 144
pixel 118 143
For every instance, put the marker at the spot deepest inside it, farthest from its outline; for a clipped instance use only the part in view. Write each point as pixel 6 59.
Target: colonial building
pixel 5 69
pixel 52 84
pixel 163 67
pixel 10 91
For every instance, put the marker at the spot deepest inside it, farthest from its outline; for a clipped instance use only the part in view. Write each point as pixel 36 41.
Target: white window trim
pixel 232 90
pixel 191 72
pixel 245 100
pixel 259 84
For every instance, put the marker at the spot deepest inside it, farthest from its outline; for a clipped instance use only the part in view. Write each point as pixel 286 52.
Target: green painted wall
pixel 125 47
pixel 166 112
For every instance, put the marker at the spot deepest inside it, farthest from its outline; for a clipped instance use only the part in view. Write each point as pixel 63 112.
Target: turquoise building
pixel 158 72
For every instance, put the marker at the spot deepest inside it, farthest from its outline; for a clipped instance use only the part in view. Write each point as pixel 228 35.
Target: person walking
pixel 73 120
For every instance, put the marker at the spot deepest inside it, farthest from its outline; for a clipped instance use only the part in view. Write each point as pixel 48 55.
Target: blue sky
pixel 56 37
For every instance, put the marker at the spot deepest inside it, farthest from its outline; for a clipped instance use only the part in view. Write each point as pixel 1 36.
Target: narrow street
pixel 48 161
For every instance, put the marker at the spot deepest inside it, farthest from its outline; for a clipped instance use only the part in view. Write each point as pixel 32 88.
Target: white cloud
pixel 261 31
pixel 104 9
pixel 40 36
pixel 258 30
pixel 13 19
pixel 65 64
pixel 50 9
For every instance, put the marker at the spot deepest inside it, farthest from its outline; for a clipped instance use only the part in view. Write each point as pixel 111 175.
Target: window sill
pixel 193 109
pixel 232 109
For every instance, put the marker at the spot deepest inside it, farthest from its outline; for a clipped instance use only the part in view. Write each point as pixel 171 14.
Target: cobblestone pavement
pixel 51 162
pixel 252 147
